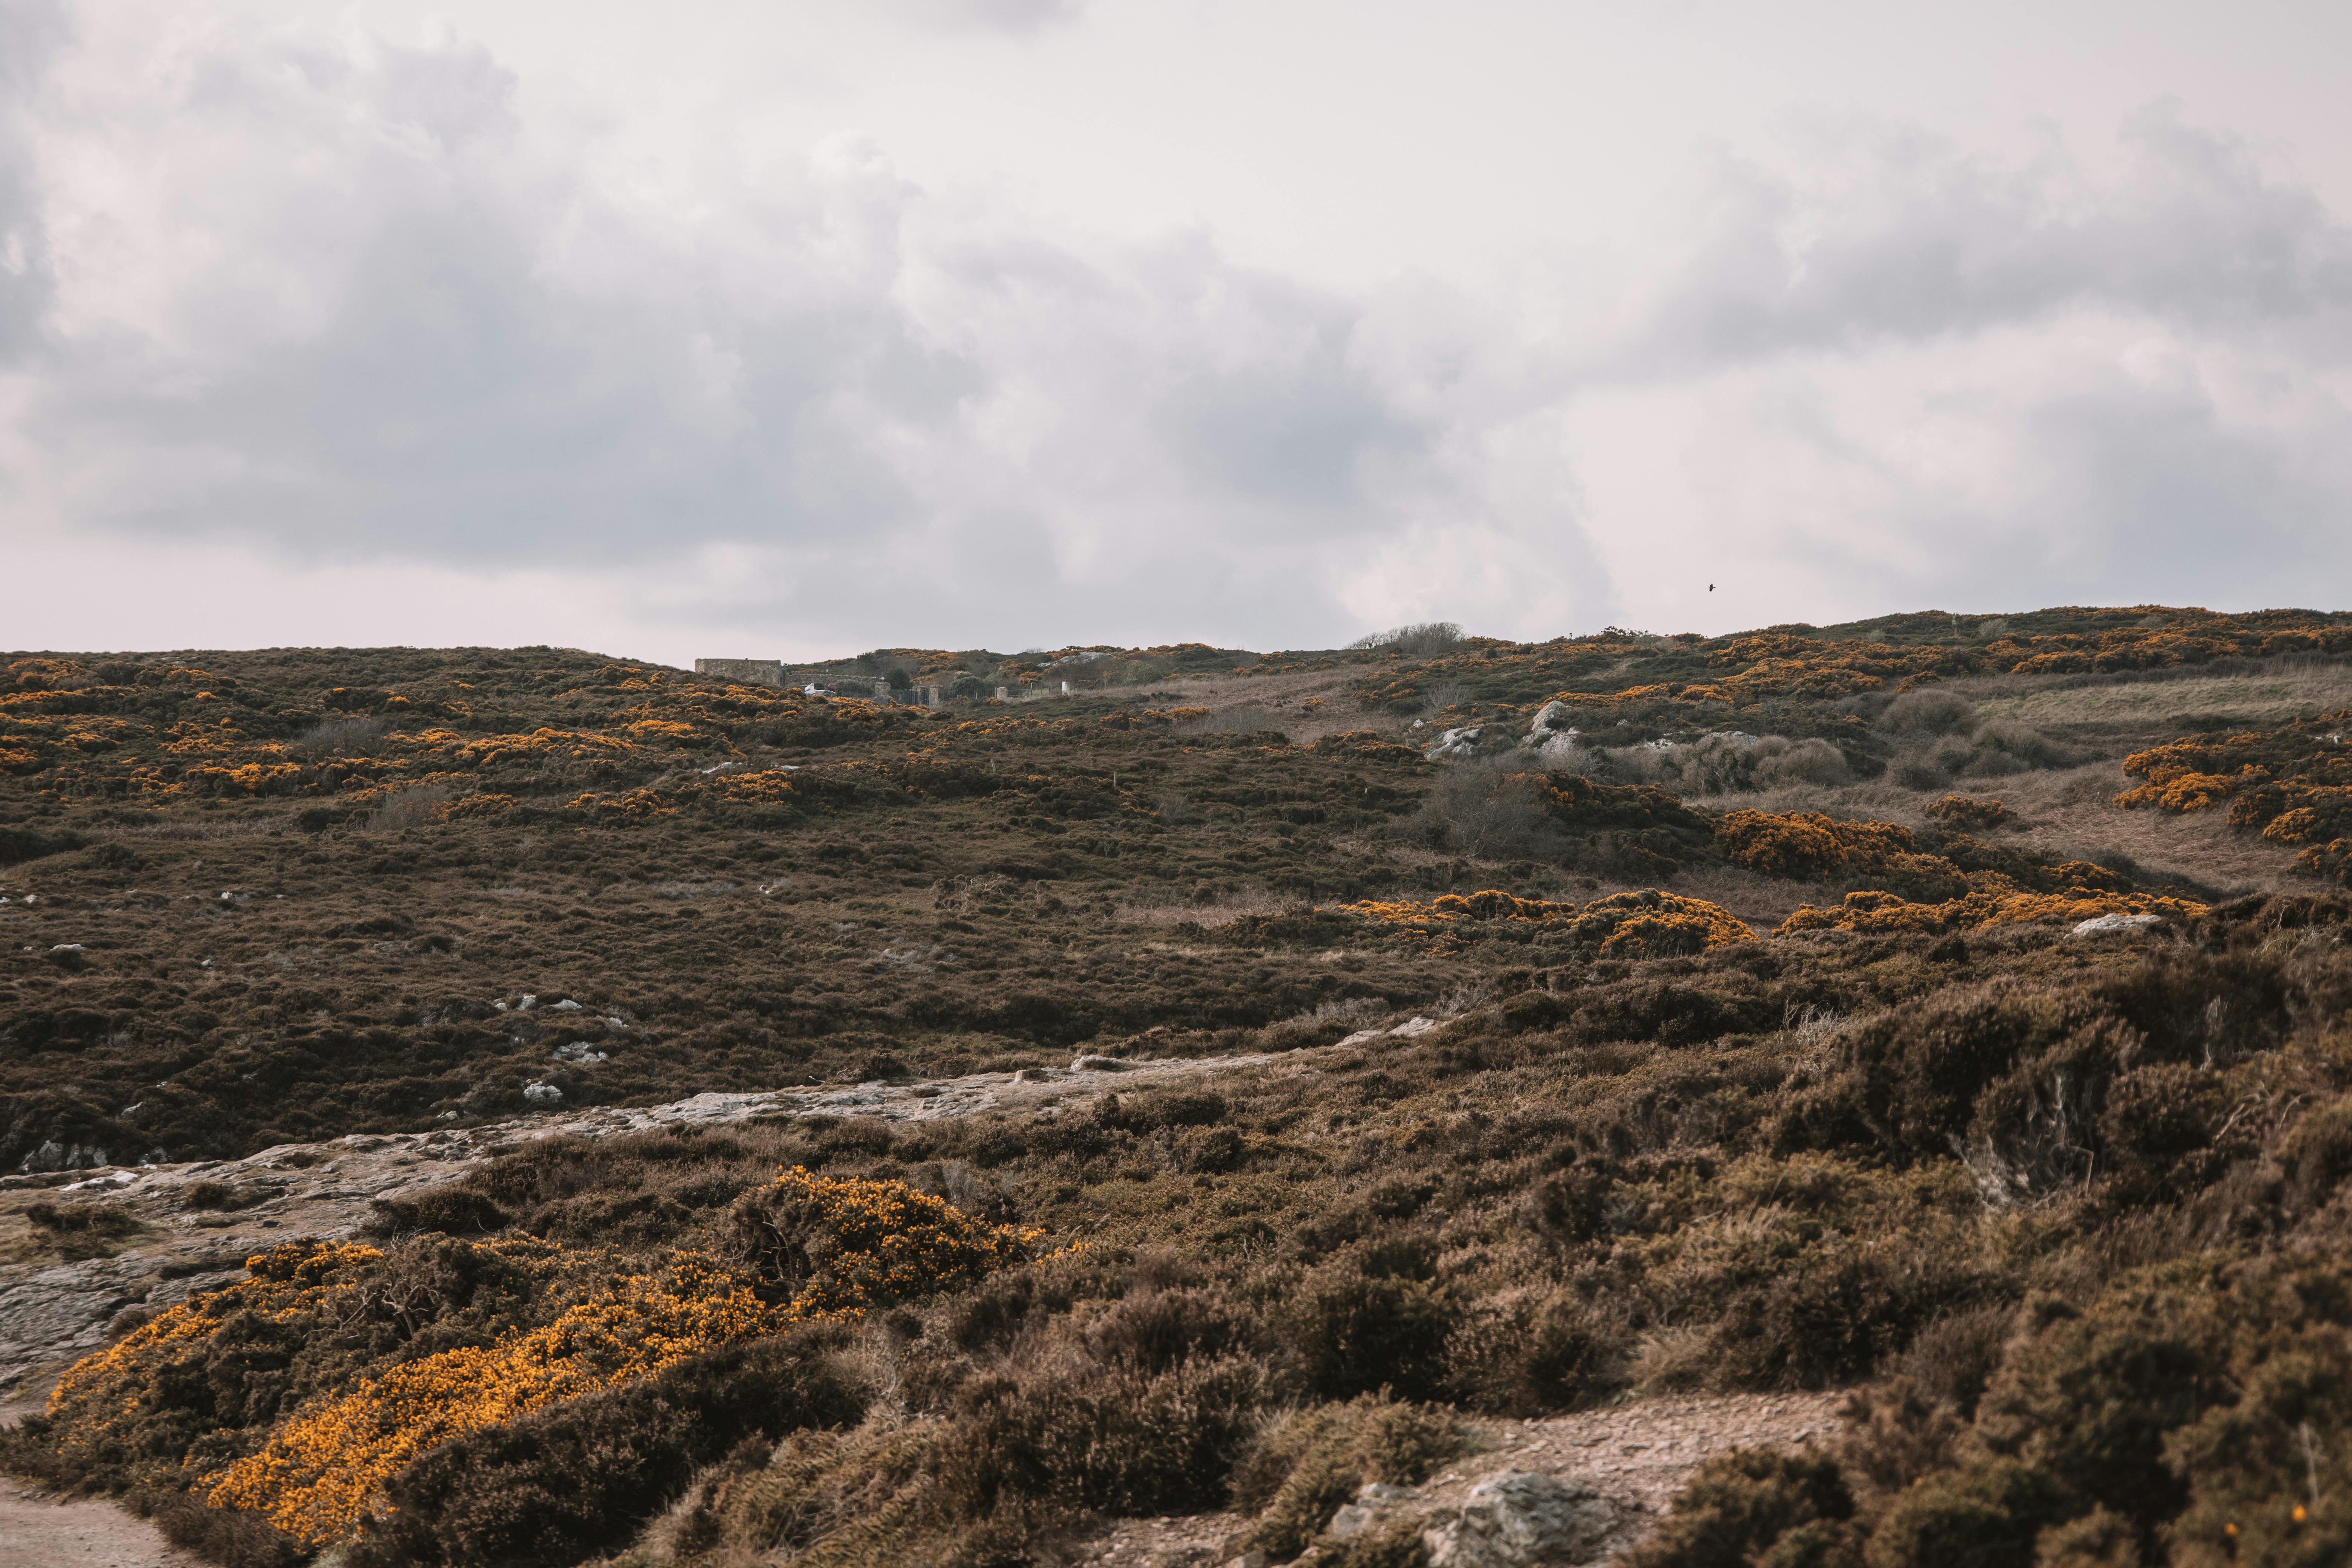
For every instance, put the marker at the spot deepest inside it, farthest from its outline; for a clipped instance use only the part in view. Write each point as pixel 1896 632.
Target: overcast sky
pixel 701 328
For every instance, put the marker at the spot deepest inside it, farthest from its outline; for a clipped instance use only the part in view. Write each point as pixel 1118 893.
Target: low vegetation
pixel 1565 1085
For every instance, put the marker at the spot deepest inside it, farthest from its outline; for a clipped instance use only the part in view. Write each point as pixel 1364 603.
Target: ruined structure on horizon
pixel 751 671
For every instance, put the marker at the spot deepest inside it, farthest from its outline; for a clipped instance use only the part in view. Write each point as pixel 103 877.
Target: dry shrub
pixel 1534 1353
pixel 454 1210
pixel 1364 1320
pixel 1420 639
pixel 1117 1436
pixel 1725 764
pixel 1967 814
pixel 83 1230
pixel 222 1196
pixel 1482 811
pixel 1930 711
pixel 357 735
pixel 411 807
pixel 1756 1506
pixel 1304 1463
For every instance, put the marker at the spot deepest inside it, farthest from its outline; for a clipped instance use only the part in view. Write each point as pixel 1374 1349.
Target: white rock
pixel 528 1003
pixel 1364 1036
pixel 1551 716
pixel 1098 1064
pixel 2101 925
pixel 542 1094
pixel 1413 1027
pixel 66 947
pixel 567 1006
pixel 1518 1519
pixel 1457 742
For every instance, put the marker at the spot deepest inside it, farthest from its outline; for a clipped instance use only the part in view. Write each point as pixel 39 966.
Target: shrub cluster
pixel 2293 784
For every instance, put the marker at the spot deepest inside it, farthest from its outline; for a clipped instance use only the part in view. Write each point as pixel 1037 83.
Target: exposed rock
pixel 1372 1499
pixel 2101 925
pixel 1519 1519
pixel 542 1094
pixel 1552 716
pixel 1458 742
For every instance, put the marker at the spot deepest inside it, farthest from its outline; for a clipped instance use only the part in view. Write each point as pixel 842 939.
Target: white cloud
pixel 296 309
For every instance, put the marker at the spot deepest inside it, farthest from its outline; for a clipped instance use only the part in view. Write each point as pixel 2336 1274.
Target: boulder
pixel 1550 717
pixel 2100 925
pixel 1517 1519
pixel 1458 742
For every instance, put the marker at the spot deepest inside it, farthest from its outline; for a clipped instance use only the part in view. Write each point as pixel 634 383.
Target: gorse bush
pixel 810 1250
pixel 2062 1214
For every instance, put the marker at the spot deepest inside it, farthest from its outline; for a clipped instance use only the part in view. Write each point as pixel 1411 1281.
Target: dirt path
pixel 36 1532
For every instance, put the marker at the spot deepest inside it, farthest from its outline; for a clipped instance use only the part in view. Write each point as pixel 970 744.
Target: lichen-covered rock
pixel 1518 1519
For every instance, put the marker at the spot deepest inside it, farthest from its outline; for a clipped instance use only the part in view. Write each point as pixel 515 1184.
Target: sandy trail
pixel 37 1532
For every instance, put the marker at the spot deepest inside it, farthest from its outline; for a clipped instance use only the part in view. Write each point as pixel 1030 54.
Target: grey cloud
pixel 2121 495
pixel 457 405
pixel 1020 18
pixel 31 33
pixel 1930 240
pixel 461 398
pixel 1308 432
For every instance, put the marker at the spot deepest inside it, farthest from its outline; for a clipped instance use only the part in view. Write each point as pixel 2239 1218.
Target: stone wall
pixel 750 671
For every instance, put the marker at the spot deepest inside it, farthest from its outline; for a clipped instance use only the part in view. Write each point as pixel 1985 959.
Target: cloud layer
pixel 295 306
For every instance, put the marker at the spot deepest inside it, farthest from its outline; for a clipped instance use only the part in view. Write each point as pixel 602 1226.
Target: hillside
pixel 1280 1073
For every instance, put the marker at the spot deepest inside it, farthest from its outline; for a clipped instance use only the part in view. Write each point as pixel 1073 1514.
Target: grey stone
pixel 1517 1519
pixel 1551 716
pixel 2101 925
pixel 1458 742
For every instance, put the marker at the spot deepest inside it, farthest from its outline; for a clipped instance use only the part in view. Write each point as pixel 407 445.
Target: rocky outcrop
pixel 1519 1519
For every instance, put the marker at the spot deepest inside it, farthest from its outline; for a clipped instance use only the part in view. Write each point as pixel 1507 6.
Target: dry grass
pixel 1222 910
pixel 2276 695
pixel 2074 810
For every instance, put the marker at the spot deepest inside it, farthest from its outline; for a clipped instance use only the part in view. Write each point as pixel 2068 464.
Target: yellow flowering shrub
pixel 321 1470
pixel 1806 845
pixel 842 1244
pixel 1968 812
pixel 1645 924
pixel 636 803
pixel 1652 923
pixel 105 1401
pixel 772 787
pixel 1885 912
pixel 575 1320
pixel 2293 784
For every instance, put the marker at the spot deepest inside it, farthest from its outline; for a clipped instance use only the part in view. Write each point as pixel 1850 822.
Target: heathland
pixel 1948 1013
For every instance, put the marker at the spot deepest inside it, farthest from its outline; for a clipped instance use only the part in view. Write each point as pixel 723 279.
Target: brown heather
pixel 1804 1088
